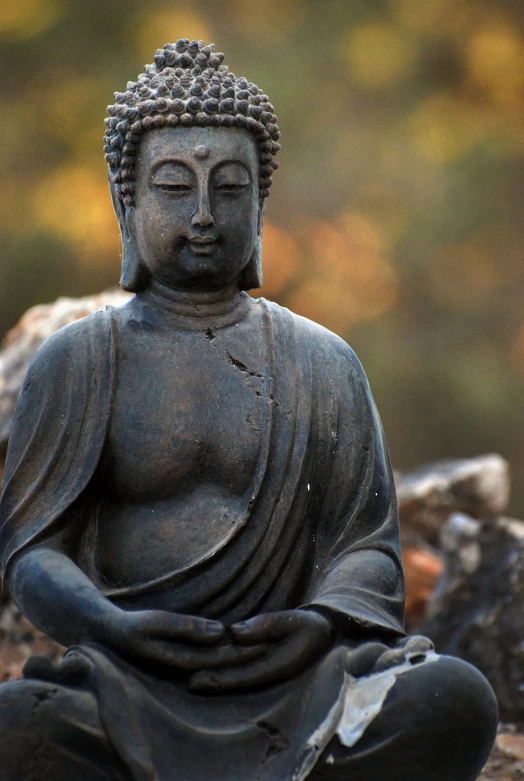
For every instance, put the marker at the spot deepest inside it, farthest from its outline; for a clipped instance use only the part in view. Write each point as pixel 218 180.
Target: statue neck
pixel 195 303
pixel 195 309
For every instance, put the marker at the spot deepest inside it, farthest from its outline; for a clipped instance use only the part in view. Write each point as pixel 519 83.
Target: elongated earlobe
pixel 134 277
pixel 251 276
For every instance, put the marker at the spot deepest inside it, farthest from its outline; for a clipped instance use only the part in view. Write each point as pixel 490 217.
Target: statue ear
pixel 252 276
pixel 134 276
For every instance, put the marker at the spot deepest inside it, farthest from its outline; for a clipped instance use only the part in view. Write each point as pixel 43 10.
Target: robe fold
pixel 319 529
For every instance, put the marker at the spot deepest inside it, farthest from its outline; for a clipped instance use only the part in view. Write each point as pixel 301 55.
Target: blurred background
pixel 395 219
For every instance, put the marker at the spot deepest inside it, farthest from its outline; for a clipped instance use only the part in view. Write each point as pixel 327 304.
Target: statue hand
pixel 373 657
pixel 171 639
pixel 179 642
pixel 408 650
pixel 296 639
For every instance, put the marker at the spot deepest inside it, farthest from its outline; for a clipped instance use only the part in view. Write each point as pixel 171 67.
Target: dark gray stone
pixel 477 610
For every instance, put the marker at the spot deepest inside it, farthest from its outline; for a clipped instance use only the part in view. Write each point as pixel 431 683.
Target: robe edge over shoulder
pixel 58 432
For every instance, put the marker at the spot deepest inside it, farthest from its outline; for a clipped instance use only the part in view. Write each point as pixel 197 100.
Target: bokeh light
pixel 28 18
pixel 378 54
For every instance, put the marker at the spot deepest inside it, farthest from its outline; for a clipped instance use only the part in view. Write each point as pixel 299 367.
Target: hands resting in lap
pixel 264 650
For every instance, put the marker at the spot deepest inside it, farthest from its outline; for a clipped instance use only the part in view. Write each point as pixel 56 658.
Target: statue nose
pixel 203 217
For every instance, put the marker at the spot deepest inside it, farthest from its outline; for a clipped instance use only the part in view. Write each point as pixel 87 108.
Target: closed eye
pixel 230 188
pixel 174 188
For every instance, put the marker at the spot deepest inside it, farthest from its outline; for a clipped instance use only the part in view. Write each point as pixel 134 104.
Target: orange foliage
pixel 422 570
pixel 517 351
pixel 73 202
pixel 281 259
pixel 28 18
pixel 270 18
pixel 350 279
pixel 151 28
pixel 378 54
pixel 496 61
pixel 462 275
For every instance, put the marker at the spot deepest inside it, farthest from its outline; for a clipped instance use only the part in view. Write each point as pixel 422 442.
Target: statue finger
pixel 361 661
pixel 398 656
pixel 416 644
pixel 199 630
pixel 266 627
pixel 235 656
pixel 180 657
pixel 190 629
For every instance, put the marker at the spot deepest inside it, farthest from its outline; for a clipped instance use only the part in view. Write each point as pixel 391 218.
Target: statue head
pixel 183 118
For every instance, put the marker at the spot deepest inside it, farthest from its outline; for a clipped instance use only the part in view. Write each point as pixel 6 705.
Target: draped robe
pixel 319 529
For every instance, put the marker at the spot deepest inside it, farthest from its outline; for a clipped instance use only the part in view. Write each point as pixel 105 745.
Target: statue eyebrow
pixel 166 161
pixel 214 169
pixel 223 163
pixel 218 170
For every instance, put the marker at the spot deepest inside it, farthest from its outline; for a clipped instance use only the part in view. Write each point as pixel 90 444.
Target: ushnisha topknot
pixel 186 85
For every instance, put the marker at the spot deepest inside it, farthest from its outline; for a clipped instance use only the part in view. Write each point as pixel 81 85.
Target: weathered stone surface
pixel 25 338
pixel 476 611
pixel 427 496
pixel 18 638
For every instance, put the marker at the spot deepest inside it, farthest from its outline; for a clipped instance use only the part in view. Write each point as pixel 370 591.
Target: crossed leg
pixel 53 732
pixel 437 723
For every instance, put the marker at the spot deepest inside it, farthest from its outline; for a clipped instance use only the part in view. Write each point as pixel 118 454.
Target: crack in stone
pixel 277 741
pixel 41 697
pixel 241 366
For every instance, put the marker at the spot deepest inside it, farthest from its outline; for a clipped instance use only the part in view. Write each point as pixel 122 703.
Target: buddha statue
pixel 198 501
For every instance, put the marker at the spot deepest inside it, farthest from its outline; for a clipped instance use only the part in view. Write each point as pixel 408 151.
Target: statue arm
pixel 357 576
pixel 59 599
pixel 58 434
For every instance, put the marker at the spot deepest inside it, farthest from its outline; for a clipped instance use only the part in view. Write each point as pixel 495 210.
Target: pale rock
pixel 22 342
pixel 427 496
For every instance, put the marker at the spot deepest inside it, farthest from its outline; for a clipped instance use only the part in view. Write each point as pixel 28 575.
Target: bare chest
pixel 188 411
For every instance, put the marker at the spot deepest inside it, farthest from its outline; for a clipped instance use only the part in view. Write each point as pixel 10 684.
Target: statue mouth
pixel 202 245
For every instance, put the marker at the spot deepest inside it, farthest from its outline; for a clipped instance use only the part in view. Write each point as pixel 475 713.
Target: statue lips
pixel 202 245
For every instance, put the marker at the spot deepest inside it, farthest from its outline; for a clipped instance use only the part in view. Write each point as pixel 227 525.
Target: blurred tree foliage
pixel 396 218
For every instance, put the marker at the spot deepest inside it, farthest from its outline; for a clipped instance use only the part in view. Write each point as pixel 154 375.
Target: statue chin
pixel 198 500
pixel 195 271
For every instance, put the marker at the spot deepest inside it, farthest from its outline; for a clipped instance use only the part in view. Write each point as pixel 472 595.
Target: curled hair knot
pixel 187 84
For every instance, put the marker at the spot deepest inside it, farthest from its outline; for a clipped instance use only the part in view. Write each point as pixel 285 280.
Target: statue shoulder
pixel 72 343
pixel 320 341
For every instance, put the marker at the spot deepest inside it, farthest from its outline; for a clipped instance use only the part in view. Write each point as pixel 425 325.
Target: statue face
pixel 196 217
